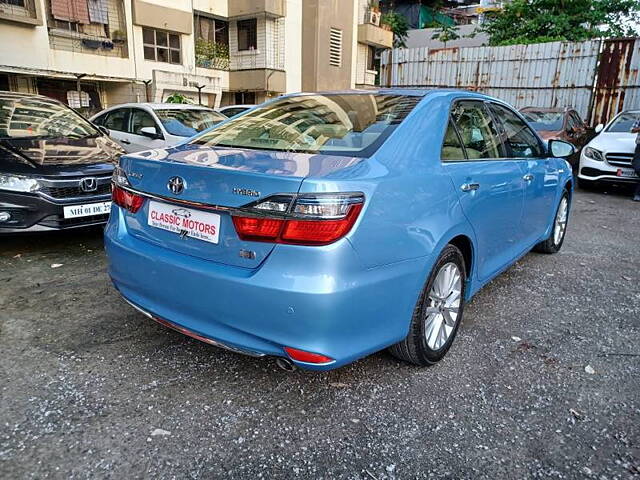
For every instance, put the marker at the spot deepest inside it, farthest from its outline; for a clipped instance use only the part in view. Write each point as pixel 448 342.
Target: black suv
pixel 55 166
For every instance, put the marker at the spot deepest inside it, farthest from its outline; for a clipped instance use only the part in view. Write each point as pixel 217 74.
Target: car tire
pixel 434 323
pixel 553 244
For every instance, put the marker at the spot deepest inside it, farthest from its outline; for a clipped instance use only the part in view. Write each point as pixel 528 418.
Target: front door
pixel 140 119
pixel 117 122
pixel 489 186
pixel 540 177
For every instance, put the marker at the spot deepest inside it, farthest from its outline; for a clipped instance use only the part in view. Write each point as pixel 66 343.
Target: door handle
pixel 126 142
pixel 468 187
pixel 528 177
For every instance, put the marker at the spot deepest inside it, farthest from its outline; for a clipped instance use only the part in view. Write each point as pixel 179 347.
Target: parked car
pixel 143 126
pixel 325 227
pixel 55 166
pixel 608 157
pixel 233 110
pixel 559 124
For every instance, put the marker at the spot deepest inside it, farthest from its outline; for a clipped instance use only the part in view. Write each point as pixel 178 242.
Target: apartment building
pixel 96 53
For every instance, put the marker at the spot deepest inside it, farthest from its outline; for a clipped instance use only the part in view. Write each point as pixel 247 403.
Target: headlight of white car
pixel 593 154
pixel 18 183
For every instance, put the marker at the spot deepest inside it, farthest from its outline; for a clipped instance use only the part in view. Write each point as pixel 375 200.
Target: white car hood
pixel 614 142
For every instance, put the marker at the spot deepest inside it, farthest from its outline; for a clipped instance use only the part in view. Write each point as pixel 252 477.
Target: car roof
pixel 13 95
pixel 162 106
pixel 236 106
pixel 547 110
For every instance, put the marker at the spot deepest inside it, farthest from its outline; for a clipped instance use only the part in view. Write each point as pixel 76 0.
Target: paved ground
pixel 90 388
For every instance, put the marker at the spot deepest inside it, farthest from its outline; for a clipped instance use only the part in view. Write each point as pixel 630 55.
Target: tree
pixel 536 21
pixel 446 33
pixel 178 98
pixel 398 25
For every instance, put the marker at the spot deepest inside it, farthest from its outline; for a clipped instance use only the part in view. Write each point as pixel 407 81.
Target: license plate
pixel 186 222
pixel 626 172
pixel 86 210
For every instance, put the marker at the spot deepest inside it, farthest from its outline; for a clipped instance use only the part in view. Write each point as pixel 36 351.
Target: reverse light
pixel 307 357
pixel 593 154
pixel 125 199
pixel 119 177
pixel 309 219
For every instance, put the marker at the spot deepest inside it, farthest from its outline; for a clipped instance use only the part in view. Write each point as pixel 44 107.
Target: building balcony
pixel 258 80
pixel 376 36
pixel 251 8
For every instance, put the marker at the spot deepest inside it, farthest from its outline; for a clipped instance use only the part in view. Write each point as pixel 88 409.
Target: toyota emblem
pixel 176 185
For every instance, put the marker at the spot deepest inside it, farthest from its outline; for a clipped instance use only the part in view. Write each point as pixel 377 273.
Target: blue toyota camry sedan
pixel 319 228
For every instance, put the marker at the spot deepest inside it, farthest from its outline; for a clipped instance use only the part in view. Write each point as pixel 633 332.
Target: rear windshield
pixel 333 124
pixel 40 118
pixel 624 122
pixel 541 121
pixel 186 123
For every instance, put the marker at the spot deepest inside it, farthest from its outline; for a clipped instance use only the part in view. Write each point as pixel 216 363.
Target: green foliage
pixel 178 98
pixel 446 33
pixel 119 35
pixel 212 55
pixel 537 21
pixel 398 25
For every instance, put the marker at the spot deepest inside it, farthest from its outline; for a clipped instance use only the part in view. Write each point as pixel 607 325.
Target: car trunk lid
pixel 214 180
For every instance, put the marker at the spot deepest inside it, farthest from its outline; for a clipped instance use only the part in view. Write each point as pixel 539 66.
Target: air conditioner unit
pixel 374 17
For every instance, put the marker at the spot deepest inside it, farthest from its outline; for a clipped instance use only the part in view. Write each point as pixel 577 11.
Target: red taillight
pixel 258 229
pixel 315 219
pixel 307 357
pixel 319 232
pixel 127 200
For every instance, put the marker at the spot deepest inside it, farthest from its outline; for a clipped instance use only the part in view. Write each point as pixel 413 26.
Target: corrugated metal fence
pixel 597 78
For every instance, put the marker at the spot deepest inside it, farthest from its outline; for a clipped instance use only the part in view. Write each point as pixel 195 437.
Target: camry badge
pixel 176 185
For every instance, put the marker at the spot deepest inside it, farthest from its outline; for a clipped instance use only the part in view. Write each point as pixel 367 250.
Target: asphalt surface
pixel 543 380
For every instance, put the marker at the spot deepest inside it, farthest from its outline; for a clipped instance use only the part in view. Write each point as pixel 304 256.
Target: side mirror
pixel 103 130
pixel 560 149
pixel 599 128
pixel 150 132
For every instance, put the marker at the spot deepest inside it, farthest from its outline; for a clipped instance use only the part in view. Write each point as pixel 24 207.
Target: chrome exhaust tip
pixel 285 364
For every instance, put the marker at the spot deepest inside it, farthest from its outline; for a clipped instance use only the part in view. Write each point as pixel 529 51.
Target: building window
pixel 245 98
pixel 161 46
pixel 371 57
pixel 212 30
pixel 247 34
pixel 335 47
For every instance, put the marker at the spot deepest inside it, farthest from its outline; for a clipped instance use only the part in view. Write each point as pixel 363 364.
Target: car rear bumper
pixel 316 299
pixel 33 213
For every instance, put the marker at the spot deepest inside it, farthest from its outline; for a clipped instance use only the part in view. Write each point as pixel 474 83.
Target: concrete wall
pixel 318 17
pixel 422 38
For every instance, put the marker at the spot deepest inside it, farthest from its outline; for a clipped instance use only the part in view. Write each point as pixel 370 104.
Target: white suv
pixel 144 126
pixel 608 157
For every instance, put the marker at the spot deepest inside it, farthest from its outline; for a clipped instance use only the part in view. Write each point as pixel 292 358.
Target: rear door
pixel 541 174
pixel 139 119
pixel 489 186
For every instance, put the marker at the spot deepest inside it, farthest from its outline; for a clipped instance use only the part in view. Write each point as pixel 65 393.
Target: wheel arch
pixel 465 245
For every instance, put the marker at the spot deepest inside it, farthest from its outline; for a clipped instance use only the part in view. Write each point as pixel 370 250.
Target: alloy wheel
pixel 441 313
pixel 560 225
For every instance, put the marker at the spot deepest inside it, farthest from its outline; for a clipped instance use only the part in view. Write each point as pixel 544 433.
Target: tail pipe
pixel 285 364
